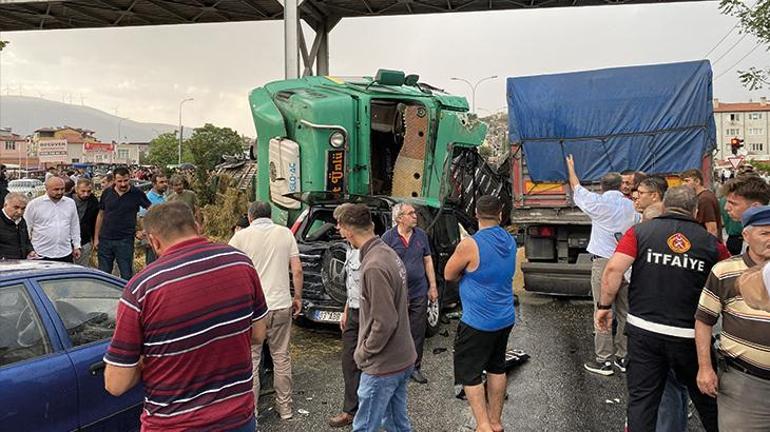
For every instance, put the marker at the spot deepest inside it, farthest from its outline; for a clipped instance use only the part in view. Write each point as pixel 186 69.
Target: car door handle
pixel 96 367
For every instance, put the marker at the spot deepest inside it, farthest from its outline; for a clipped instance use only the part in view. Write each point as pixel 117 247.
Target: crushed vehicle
pixel 386 138
pixel 323 251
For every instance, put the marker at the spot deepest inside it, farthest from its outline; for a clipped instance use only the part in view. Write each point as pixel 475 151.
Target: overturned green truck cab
pixel 389 135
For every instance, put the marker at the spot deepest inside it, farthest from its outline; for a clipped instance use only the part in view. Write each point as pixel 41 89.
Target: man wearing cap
pixel 743 387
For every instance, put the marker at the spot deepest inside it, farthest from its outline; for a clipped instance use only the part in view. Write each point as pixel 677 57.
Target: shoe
pixel 341 420
pixel 285 414
pixel 601 368
pixel 621 363
pixel 418 377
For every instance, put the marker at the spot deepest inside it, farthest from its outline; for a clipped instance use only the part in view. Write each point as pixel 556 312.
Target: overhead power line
pixel 729 50
pixel 729 32
pixel 738 62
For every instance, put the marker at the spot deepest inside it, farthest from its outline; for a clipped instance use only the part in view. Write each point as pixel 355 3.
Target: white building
pixel 747 121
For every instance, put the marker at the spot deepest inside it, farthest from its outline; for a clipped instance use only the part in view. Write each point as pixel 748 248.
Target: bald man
pixel 53 224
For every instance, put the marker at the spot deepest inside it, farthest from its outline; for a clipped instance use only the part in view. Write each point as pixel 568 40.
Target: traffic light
pixel 735 144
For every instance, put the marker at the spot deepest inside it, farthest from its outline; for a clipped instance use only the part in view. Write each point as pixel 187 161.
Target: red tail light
pixel 542 231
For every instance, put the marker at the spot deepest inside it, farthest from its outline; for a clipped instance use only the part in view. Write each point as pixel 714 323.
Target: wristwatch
pixel 602 307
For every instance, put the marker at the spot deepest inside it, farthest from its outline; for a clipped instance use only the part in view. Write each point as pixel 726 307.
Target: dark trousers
pixel 735 244
pixel 418 320
pixel 650 358
pixel 67 258
pixel 120 251
pixel 350 371
pixel 149 255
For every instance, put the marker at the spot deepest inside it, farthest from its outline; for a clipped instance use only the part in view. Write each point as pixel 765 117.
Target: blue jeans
pixel 672 411
pixel 382 403
pixel 120 251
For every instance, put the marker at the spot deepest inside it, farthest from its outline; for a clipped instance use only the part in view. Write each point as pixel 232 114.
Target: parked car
pixel 56 321
pixel 322 251
pixel 31 188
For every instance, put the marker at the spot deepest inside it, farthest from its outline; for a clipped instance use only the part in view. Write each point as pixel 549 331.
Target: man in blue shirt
pixel 156 195
pixel 484 263
pixel 413 247
pixel 612 214
pixel 116 224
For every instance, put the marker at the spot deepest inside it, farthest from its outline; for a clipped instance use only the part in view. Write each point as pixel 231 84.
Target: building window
pixel 756 147
pixel 755 116
pixel 10 145
pixel 123 154
pixel 756 131
pixel 732 132
pixel 735 117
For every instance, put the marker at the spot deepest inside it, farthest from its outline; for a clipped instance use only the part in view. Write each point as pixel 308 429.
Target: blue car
pixel 56 321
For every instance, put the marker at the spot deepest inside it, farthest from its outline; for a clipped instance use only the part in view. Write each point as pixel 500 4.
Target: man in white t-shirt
pixel 273 250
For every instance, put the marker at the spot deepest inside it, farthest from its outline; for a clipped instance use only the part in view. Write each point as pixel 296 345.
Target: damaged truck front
pixel 325 140
pixel 655 119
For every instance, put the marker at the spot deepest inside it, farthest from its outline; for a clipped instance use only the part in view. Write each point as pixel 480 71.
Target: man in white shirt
pixel 273 250
pixel 53 224
pixel 612 214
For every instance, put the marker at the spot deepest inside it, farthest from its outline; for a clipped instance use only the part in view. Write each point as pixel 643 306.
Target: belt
pixel 737 365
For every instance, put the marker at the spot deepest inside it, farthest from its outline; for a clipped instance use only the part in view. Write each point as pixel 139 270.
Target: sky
pixel 142 73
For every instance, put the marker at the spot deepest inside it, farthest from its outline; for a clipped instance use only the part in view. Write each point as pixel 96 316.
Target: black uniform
pixel 14 238
pixel 674 255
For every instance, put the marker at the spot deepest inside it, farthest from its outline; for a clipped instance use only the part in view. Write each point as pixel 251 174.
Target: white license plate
pixel 328 316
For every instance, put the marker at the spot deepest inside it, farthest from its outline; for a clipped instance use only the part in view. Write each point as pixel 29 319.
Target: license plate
pixel 327 316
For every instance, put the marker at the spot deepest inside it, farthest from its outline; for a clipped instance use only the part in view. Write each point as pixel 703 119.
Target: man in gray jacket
pixel 385 352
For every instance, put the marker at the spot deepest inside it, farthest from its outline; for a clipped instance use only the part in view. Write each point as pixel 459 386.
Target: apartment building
pixel 749 121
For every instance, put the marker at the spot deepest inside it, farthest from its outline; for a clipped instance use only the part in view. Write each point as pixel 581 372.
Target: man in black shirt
pixel 88 210
pixel 14 237
pixel 116 224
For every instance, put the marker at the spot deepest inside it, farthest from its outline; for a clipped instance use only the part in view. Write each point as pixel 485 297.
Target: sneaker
pixel 621 363
pixel 601 368
pixel 418 377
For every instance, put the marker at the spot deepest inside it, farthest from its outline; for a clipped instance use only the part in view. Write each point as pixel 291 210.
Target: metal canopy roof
pixel 18 15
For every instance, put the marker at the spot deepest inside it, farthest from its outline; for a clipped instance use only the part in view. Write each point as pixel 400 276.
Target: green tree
pixel 209 143
pixel 3 44
pixel 164 150
pixel 754 19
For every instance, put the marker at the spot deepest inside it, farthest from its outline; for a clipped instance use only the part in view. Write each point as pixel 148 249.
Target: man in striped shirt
pixel 184 328
pixel 743 388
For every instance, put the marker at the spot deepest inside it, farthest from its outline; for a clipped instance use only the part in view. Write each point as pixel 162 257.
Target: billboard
pixel 52 151
pixel 98 147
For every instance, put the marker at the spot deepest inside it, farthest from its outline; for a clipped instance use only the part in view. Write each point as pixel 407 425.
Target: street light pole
pixel 473 88
pixel 181 131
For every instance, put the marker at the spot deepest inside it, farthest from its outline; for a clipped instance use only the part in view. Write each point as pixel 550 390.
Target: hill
pixel 26 114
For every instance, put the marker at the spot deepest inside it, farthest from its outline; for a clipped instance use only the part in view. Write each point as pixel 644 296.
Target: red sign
pixel 98 147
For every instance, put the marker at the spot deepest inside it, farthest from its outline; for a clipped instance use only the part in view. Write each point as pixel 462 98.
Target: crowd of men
pixel 673 310
pixel 667 300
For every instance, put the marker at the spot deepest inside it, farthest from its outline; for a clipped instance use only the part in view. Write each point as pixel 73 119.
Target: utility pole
pixel 181 130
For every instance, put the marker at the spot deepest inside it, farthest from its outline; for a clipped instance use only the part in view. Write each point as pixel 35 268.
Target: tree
pixel 754 19
pixel 164 150
pixel 209 143
pixel 3 44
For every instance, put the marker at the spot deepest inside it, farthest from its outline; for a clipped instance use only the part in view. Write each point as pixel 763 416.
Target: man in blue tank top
pixel 484 263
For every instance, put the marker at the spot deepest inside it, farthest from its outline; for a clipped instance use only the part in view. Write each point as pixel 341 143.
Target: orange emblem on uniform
pixel 679 243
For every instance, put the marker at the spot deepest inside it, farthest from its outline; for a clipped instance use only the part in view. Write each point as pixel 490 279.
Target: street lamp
pixel 473 88
pixel 181 131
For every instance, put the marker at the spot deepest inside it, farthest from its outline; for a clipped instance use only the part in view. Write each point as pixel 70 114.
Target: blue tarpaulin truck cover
pixel 655 119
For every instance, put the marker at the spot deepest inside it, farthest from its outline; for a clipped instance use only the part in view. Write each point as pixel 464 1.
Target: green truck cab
pixel 389 135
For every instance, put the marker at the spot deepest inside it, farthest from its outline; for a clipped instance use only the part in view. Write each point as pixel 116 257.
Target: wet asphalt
pixel 550 392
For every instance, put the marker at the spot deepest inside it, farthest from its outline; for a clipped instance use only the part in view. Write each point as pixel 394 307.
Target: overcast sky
pixel 143 72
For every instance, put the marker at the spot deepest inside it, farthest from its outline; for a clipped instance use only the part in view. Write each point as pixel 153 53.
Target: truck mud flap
pixel 470 177
pixel 557 279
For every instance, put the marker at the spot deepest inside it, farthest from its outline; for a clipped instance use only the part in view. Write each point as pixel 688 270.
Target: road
pixel 551 392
